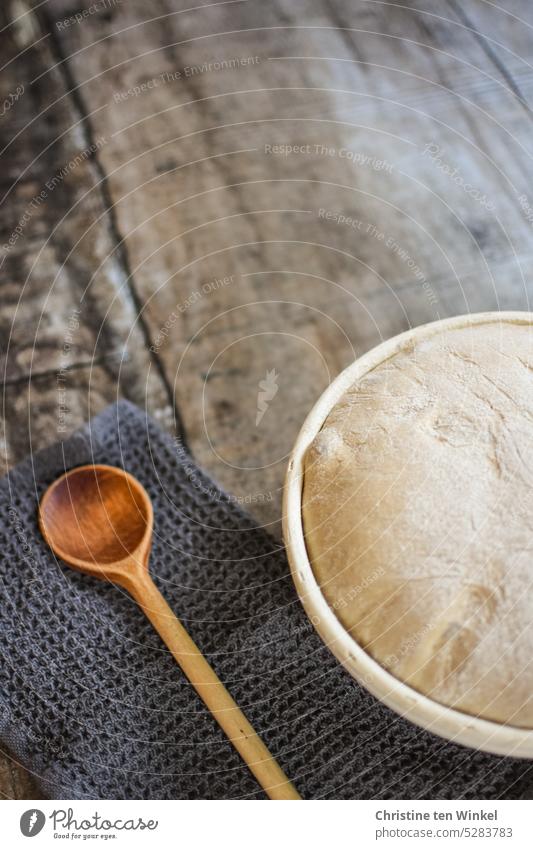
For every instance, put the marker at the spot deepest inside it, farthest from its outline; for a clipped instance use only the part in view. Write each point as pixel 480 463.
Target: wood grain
pixel 364 95
pixel 66 300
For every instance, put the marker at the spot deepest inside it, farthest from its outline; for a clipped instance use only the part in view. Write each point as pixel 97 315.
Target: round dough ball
pixel 418 517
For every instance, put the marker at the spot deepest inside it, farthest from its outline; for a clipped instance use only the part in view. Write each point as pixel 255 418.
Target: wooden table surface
pixel 211 211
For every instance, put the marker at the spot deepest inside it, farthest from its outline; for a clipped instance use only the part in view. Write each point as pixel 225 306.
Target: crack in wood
pixel 83 364
pixel 79 107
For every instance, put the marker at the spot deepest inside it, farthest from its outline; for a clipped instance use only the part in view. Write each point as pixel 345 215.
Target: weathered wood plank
pixel 505 34
pixel 44 410
pixel 15 782
pixel 195 102
pixel 65 294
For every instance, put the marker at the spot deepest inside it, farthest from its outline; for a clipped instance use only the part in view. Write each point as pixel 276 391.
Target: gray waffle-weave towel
pixel 93 704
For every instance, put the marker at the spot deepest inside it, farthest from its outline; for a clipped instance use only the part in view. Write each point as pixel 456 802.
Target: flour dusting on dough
pixel 422 477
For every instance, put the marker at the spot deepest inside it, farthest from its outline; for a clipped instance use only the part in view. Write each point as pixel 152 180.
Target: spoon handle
pixel 212 691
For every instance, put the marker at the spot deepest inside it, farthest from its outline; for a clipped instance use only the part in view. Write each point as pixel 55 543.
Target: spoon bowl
pixel 95 516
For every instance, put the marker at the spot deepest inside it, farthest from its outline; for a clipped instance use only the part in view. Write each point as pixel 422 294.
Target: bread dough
pixel 418 517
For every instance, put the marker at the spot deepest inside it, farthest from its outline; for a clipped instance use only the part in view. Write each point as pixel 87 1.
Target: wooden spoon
pixel 99 519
